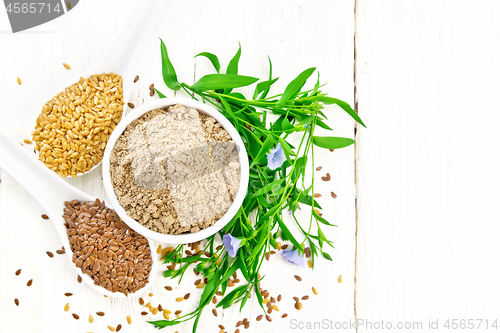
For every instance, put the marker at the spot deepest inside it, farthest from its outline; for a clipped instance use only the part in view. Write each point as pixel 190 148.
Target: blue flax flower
pixel 293 257
pixel 232 244
pixel 276 157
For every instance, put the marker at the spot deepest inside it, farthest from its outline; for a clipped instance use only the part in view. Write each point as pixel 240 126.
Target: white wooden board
pixel 296 35
pixel 427 177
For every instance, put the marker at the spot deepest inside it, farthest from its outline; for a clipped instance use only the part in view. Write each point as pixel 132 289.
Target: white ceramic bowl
pixel 187 237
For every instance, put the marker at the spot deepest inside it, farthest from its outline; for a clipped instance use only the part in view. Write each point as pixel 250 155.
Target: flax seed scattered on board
pixel 150 294
pixel 75 316
pixel 131 105
pixel 100 313
pixel 129 320
pixel 268 317
pixel 298 278
pixel 319 168
pixel 259 317
pixel 19 80
pixel 119 327
pixel 144 313
pixel 66 65
pixel 79 279
pixel 151 93
pixel 214 311
pixel 18 271
pixel 30 282
pixel 16 301
pixel 68 294
pixel 310 264
pixel 334 195
pixel 332 150
pixel 284 247
pixel 66 307
pixel 50 254
pixel 326 178
pixel 136 78
pixel 315 291
pixel 45 217
pixel 111 328
pixel 179 299
pixel 187 296
pixel 60 252
pixel 168 288
pixel 27 141
pixel 91 319
pixel 340 278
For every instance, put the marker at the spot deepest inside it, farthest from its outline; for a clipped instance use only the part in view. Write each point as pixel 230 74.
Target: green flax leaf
pixel 263 86
pixel 320 123
pixel 327 256
pixel 345 106
pixel 213 59
pixel 167 69
pixel 321 219
pixel 288 235
pixel 160 94
pixel 232 68
pixel 222 81
pixel 273 187
pixel 165 323
pixel 270 141
pixel 294 87
pixel 229 299
pixel 331 142
pixel 264 94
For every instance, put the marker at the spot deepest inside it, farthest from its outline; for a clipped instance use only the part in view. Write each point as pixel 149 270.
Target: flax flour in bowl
pixel 177 170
